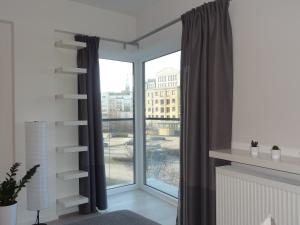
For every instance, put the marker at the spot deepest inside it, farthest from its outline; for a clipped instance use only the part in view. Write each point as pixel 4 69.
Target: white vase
pixel 254 151
pixel 8 215
pixel 276 154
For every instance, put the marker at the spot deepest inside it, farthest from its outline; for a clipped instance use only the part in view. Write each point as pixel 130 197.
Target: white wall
pixel 6 97
pixel 266 65
pixel 35 58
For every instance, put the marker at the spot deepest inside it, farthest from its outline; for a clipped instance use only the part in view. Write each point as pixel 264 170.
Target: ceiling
pixel 129 7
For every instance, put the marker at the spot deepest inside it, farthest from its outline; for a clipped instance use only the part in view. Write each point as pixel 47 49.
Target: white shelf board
pixel 70 149
pixel 71 70
pixel 286 163
pixel 70 44
pixel 71 123
pixel 73 201
pixel 71 175
pixel 70 96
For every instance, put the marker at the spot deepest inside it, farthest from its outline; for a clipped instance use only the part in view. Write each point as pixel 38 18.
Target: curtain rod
pixel 124 43
pixel 135 41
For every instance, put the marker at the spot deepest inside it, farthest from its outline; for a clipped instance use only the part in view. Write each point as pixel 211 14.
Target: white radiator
pixel 246 197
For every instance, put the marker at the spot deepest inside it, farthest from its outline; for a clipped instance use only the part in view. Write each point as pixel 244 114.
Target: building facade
pixel 117 105
pixel 162 98
pixel 162 101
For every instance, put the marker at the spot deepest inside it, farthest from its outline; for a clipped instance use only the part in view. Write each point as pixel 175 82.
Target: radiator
pixel 246 197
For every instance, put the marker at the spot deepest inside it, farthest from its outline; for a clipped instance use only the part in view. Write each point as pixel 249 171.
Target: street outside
pixel 162 159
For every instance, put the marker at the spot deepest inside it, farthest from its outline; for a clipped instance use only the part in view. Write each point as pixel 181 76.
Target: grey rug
pixel 122 217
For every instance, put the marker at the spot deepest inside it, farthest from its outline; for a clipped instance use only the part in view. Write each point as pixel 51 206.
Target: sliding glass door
pixel 162 123
pixel 117 98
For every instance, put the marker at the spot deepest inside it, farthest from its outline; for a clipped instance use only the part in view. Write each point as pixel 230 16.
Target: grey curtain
pixel 207 89
pixel 94 186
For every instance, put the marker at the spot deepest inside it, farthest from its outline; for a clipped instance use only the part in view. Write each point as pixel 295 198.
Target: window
pixel 118 121
pixel 162 133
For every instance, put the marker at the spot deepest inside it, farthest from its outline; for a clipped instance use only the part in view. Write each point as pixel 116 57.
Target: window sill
pixel 285 164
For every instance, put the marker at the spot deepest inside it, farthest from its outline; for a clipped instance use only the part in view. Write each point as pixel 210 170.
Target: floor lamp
pixel 36 136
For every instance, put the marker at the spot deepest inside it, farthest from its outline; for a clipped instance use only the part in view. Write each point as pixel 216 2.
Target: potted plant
pixel 9 190
pixel 254 149
pixel 275 152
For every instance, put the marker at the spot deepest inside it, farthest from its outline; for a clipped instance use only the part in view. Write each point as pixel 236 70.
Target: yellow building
pixel 162 98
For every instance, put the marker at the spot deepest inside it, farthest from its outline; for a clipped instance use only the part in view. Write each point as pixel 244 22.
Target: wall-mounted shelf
pixel 65 45
pixel 71 70
pixel 70 96
pixel 71 123
pixel 286 163
pixel 70 149
pixel 71 175
pixel 73 201
pixel 70 44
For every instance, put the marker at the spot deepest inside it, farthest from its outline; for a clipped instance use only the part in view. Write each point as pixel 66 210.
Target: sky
pixel 152 67
pixel 113 74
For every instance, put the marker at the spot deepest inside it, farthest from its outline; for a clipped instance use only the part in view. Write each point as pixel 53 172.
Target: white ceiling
pixel 129 7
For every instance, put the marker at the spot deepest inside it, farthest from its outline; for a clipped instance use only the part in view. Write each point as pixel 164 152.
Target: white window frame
pixel 138 57
pixel 141 107
pixel 117 53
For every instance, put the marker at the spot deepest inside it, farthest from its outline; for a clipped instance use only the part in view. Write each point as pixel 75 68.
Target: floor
pixel 137 201
pixel 144 204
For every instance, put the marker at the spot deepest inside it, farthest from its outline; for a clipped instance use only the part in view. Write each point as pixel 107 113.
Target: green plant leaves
pixel 10 188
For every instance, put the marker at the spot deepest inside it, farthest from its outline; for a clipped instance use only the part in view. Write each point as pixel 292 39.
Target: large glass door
pixel 117 99
pixel 162 123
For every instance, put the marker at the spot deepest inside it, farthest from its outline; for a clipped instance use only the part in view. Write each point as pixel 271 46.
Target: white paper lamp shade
pixel 269 221
pixel 36 137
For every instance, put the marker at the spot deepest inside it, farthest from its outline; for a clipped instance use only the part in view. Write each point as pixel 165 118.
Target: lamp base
pixel 37 222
